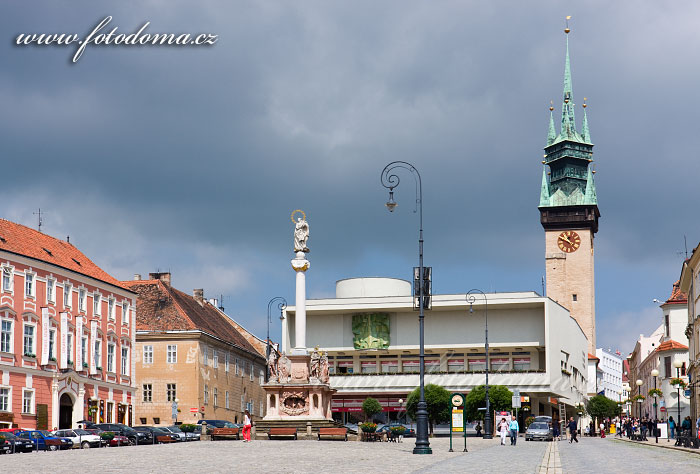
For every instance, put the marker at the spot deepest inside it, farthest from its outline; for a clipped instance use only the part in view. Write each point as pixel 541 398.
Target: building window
pixel 242 402
pixel 522 363
pixel 125 313
pixel 82 295
pixel 369 366
pixel 147 392
pixel 5 399
pixel 147 354
pixel 261 377
pixel 50 293
pixel 69 348
pixel 216 397
pixel 261 409
pixel 110 309
pixel 236 365
pixel 7 279
pixel 205 355
pixel 227 363
pixel 206 394
pixel 172 353
pixel 110 357
pixel 215 358
pixel 574 297
pixel 432 365
pixel 5 336
pixel 171 390
pixel 28 401
pixel 52 344
pixel 668 330
pixel 251 367
pixel 98 354
pixel 455 365
pixel 96 306
pixel 83 352
pixel 110 409
pixel 476 365
pixel 411 366
pixel 29 340
pixel 29 285
pixel 143 420
pixel 66 295
pixel 345 366
pixel 125 361
pixel 667 367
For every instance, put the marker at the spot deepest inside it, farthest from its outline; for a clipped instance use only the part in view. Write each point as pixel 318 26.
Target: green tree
pixel 500 399
pixel 371 407
pixel 438 400
pixel 601 406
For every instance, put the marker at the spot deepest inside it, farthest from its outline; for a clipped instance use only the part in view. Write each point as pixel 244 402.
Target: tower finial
pixel 567 30
pixel 568 121
pixel 552 133
pixel 585 132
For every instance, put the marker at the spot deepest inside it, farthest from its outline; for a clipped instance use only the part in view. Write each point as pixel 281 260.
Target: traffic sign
pixel 516 401
pixel 193 410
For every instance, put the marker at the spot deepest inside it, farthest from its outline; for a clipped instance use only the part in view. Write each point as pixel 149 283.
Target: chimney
pixel 137 276
pixel 198 294
pixel 162 276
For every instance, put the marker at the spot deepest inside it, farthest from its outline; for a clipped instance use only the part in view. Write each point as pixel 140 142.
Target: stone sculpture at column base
pixel 301 391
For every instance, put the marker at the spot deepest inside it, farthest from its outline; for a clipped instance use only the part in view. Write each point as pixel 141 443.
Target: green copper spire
pixel 585 133
pixel 552 135
pixel 568 120
pixel 544 194
pixel 590 194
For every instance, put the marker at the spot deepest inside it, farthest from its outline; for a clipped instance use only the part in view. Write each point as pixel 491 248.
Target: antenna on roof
pixel 221 303
pixel 685 241
pixel 40 220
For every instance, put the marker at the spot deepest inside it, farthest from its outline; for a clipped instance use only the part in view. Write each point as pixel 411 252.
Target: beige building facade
pixel 192 361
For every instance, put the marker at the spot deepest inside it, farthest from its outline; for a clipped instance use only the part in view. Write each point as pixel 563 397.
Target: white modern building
pixel 370 331
pixel 611 367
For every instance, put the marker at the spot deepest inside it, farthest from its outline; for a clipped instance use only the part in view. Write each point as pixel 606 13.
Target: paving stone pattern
pixel 292 457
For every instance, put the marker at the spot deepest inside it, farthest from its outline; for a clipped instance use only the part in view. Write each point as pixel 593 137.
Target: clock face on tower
pixel 569 241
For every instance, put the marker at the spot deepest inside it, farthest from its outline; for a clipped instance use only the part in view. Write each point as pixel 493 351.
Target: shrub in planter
pixel 187 428
pixel 656 391
pixel 398 430
pixel 367 427
pixel 107 435
pixel 677 381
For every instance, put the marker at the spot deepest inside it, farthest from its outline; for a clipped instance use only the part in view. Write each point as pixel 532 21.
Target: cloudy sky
pixel 191 159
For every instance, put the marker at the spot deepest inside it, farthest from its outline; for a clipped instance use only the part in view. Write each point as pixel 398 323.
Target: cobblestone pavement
pixel 292 457
pixel 596 455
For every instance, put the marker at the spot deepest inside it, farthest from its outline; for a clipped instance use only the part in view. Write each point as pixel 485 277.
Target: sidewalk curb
pixel 664 446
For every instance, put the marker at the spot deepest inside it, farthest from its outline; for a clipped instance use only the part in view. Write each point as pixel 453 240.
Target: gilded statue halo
pixel 294 212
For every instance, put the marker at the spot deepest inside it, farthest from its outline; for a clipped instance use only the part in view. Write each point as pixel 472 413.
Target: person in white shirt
pixel 503 430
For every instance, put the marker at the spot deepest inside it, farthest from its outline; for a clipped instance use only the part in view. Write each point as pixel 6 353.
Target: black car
pixel 16 444
pixel 135 437
pixel 160 436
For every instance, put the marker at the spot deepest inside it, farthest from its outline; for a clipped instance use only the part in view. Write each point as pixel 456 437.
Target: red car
pixel 119 440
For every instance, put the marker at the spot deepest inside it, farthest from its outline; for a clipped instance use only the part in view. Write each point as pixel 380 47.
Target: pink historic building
pixel 66 335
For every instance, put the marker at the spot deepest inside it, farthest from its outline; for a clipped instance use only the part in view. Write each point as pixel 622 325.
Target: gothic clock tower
pixel 569 212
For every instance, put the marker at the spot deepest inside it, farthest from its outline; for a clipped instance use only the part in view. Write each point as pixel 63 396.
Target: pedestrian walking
pixel 572 430
pixel 671 428
pixel 514 428
pixel 602 429
pixel 503 430
pixel 618 428
pixel 246 427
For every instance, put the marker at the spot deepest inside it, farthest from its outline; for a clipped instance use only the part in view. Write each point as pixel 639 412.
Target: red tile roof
pixel 677 296
pixel 21 240
pixel 671 345
pixel 591 356
pixel 160 307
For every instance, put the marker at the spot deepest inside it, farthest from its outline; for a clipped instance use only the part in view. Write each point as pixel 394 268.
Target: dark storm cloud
pixel 192 159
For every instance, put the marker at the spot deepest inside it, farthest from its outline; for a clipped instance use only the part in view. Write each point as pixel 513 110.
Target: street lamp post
pixel 639 400
pixel 282 304
pixel 655 373
pixel 488 429
pixel 677 363
pixel 390 180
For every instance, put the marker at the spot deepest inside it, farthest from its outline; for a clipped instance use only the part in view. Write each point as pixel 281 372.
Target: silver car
pixel 539 430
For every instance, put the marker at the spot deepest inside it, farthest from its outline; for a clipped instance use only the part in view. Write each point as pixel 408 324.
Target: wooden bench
pixel 164 439
pixel 222 433
pixel 282 433
pixel 333 432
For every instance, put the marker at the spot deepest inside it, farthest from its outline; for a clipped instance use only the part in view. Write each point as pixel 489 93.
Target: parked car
pixel 409 433
pixel 16 444
pixel 6 446
pixel 135 437
pixel 539 430
pixel 81 439
pixel 14 431
pixel 43 440
pixel 157 434
pixel 86 424
pixel 184 436
pixel 219 424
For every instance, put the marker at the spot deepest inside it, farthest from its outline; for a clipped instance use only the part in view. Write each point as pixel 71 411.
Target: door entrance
pixel 65 414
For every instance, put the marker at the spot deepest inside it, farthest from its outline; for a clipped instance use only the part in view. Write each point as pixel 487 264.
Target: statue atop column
pixel 324 377
pixel 272 365
pixel 301 232
pixel 315 365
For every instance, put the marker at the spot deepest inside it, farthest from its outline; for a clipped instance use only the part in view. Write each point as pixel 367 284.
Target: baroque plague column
pixel 298 389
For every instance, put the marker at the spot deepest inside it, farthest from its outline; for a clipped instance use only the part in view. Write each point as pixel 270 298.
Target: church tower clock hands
pixel 569 211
